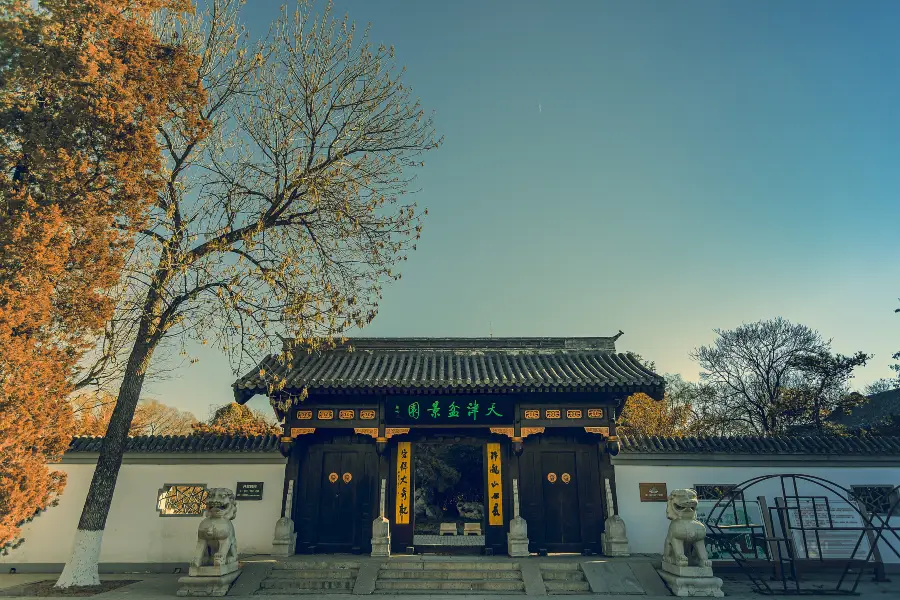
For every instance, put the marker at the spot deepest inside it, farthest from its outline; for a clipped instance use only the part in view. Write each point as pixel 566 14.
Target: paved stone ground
pixel 164 586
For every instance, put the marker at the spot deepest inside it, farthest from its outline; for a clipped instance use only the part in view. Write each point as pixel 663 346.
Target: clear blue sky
pixel 664 168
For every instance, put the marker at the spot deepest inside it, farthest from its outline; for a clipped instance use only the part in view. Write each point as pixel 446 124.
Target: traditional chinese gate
pixel 543 410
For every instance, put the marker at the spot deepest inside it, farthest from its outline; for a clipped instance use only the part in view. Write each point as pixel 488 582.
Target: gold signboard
pixel 404 474
pixel 495 485
pixel 653 492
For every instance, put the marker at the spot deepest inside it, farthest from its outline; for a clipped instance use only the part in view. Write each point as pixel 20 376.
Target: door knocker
pixel 566 478
pixel 347 477
pixel 551 477
pixel 333 477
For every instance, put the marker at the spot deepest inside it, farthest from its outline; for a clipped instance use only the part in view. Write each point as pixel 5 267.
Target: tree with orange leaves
pixel 152 417
pixel 84 85
pixel 283 221
pixel 236 419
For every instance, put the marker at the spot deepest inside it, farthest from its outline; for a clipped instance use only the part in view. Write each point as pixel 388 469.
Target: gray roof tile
pixel 476 364
pixel 762 445
pixel 207 442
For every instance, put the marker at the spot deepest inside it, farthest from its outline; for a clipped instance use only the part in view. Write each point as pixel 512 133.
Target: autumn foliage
pixel 152 417
pixel 643 415
pixel 84 86
pixel 236 419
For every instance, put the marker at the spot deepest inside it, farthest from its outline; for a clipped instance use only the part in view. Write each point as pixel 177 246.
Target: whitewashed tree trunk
pixel 82 567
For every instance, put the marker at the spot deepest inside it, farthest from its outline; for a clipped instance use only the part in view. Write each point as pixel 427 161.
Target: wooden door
pixel 562 523
pixel 337 500
pixel 560 492
pixel 336 495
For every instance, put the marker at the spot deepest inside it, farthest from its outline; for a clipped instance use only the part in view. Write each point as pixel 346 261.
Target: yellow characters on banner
pixel 404 474
pixel 495 485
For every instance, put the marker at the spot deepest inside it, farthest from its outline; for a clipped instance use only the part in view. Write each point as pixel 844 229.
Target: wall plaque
pixel 248 490
pixel 495 485
pixel 653 492
pixel 404 475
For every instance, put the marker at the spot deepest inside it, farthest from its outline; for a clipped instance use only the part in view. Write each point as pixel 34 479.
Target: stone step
pixel 418 586
pixel 567 587
pixel 560 566
pixel 299 592
pixel 314 574
pixel 451 574
pixel 559 575
pixel 307 584
pixel 308 565
pixel 462 565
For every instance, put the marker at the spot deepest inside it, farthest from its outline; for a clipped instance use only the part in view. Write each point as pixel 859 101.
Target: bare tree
pixel 750 367
pixel 824 388
pixel 280 214
pixel 881 385
pixel 151 417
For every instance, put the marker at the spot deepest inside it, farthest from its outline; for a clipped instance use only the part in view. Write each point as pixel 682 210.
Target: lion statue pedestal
pixel 215 564
pixel 686 567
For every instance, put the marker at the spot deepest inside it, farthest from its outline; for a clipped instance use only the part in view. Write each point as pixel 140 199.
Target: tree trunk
pixel 82 568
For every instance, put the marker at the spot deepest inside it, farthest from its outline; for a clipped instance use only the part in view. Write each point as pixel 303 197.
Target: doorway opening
pixel 449 496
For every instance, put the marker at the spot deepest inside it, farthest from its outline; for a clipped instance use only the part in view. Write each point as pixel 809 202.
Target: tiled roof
pixel 877 411
pixel 454 364
pixel 869 445
pixel 207 442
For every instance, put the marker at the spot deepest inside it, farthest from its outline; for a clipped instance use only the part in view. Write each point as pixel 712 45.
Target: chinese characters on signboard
pixel 653 492
pixel 404 474
pixel 248 490
pixel 819 540
pixel 494 485
pixel 450 410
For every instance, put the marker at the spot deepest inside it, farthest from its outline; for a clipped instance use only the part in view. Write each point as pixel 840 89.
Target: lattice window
pixel 182 499
pixel 712 491
pixel 877 499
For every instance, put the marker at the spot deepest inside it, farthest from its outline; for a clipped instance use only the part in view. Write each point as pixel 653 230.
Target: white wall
pixel 135 532
pixel 646 521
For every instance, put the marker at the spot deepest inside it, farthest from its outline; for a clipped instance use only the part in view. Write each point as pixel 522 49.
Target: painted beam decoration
pixel 403 501
pixel 494 485
pixel 469 410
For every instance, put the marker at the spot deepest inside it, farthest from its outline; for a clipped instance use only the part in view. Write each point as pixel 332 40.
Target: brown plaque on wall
pixel 653 492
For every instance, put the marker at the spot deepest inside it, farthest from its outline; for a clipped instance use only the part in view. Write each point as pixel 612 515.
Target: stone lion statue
pixel 685 541
pixel 216 544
